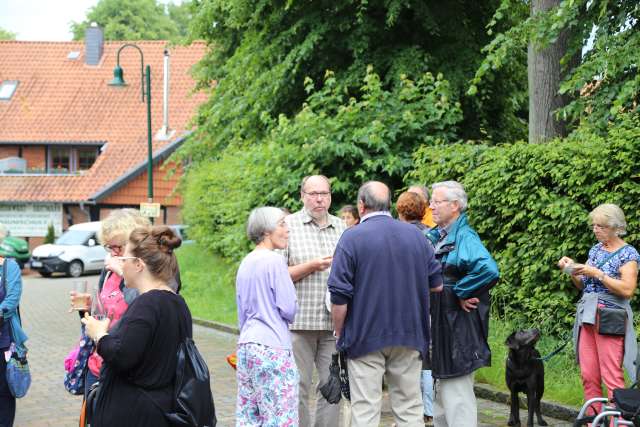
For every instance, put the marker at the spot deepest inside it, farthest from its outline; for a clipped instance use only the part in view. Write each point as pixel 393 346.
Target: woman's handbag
pixel 612 321
pixel 74 379
pixel 18 375
pixel 193 400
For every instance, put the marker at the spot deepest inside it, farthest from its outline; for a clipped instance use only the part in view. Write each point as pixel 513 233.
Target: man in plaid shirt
pixel 313 235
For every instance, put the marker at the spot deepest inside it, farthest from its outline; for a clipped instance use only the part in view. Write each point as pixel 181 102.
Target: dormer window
pixel 7 89
pixel 71 159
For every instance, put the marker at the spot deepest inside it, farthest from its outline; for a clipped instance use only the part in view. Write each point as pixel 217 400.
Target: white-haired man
pixel 460 313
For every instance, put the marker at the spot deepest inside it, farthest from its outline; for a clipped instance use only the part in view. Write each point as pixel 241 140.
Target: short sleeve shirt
pixel 611 268
pixel 308 241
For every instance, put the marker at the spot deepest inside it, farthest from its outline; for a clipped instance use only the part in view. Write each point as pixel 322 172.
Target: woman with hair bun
pixel 140 352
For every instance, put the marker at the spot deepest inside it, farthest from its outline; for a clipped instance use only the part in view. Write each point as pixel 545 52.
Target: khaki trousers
pixel 402 366
pixel 455 402
pixel 314 348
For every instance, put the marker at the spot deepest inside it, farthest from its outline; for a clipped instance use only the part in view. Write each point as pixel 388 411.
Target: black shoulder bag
pixel 193 400
pixel 611 321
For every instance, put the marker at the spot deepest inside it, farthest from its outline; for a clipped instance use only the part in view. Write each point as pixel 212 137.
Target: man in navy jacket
pixel 381 276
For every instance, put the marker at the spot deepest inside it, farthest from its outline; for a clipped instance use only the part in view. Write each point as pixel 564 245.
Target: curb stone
pixel 216 325
pixel 551 409
pixel 484 391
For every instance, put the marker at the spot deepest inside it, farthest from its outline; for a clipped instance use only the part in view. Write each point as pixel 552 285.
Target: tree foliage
pixel 350 140
pixel 7 35
pixel 136 20
pixel 606 82
pixel 530 203
pixel 262 52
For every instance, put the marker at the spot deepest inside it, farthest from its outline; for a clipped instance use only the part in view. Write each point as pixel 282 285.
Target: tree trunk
pixel 544 72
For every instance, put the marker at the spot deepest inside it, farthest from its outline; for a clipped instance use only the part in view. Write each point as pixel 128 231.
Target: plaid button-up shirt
pixel 308 241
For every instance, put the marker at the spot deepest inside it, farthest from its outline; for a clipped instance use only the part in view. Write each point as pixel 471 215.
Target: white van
pixel 75 252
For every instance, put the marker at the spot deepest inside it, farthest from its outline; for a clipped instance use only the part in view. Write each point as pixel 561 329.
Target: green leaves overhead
pixel 605 83
pixel 136 20
pixel 261 52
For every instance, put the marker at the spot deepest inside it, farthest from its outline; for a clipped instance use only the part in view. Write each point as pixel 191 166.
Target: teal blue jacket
pixel 467 266
pixel 9 306
pixel 460 338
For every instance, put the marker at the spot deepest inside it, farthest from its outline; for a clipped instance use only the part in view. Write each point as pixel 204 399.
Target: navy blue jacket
pixel 383 269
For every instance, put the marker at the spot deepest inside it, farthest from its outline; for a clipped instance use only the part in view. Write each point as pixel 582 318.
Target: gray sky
pixel 45 20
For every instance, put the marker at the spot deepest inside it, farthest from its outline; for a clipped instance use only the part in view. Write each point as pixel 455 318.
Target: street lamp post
pixel 118 80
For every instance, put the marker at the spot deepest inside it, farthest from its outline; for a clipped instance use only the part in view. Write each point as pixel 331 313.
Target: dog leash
pixel 554 352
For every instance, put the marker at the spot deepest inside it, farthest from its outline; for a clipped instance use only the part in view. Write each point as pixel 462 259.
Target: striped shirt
pixel 308 241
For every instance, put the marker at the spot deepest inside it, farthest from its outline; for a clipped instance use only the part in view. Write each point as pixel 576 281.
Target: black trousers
pixel 7 401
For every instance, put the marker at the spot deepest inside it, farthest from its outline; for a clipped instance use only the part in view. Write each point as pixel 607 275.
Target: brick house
pixel 72 147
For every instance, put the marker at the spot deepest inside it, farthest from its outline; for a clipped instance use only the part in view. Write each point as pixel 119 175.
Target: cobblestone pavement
pixel 53 331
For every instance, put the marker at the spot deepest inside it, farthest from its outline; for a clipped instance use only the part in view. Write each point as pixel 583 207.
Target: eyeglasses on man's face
pixel 315 194
pixel 434 202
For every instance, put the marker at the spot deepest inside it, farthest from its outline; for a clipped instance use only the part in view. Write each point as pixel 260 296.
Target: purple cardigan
pixel 266 300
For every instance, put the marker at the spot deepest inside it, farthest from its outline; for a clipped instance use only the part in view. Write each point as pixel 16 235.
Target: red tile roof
pixel 60 100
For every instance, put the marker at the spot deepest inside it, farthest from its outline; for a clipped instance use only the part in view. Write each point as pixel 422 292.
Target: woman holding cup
pixel 140 352
pixel 113 295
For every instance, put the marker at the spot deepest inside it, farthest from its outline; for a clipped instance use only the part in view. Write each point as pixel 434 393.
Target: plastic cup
pixel 81 298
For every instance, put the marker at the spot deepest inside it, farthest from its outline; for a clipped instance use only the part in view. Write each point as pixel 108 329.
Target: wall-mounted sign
pixel 151 210
pixel 31 219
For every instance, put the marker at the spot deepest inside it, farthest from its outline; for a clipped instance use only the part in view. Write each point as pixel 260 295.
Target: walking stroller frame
pixel 623 408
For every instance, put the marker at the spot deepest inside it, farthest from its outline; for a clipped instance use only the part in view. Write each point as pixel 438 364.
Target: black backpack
pixel 193 401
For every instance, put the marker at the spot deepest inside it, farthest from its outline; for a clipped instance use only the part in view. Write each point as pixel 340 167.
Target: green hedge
pixel 530 203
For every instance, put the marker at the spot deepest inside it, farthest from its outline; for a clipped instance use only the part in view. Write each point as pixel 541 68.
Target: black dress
pixel 140 361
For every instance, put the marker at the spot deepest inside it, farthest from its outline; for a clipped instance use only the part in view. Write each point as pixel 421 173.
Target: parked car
pixel 15 247
pixel 75 252
pixel 183 232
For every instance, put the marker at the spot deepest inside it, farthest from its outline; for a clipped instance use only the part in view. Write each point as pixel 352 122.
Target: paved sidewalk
pixel 53 331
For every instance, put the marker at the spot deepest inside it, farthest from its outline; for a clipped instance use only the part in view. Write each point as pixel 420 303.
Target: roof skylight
pixel 7 89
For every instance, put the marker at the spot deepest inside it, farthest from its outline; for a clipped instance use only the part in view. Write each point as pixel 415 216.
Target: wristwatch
pixel 601 277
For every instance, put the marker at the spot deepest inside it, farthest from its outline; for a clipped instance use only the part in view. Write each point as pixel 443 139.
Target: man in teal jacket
pixel 460 313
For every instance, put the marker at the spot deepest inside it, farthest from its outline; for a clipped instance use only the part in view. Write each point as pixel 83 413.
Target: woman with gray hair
pixel 603 332
pixel 266 299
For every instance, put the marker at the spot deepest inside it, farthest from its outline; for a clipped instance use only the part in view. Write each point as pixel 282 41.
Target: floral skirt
pixel 267 386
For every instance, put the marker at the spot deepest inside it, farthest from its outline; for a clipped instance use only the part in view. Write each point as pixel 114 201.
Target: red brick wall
pixel 78 216
pixel 135 191
pixel 173 215
pixel 35 156
pixel 8 151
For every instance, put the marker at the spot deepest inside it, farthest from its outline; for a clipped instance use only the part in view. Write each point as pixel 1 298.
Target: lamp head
pixel 118 79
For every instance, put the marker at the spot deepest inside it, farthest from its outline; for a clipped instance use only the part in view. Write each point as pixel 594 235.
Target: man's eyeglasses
pixel 314 194
pixel 433 202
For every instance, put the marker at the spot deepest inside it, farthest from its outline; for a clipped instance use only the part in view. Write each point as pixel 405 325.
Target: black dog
pixel 525 373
